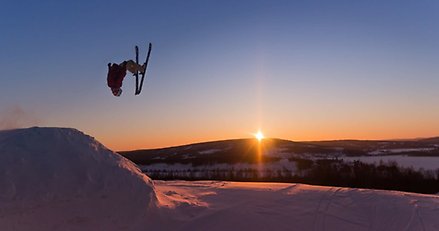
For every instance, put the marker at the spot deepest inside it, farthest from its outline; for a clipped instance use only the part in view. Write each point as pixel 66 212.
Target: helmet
pixel 116 91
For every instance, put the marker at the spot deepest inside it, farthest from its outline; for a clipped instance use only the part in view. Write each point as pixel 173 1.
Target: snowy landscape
pixel 420 153
pixel 219 115
pixel 63 179
pixel 410 165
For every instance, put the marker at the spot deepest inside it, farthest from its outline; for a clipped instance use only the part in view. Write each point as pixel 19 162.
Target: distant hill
pixel 432 140
pixel 335 163
pixel 249 150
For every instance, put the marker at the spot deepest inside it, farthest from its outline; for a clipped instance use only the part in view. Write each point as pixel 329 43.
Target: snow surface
pixel 399 150
pixel 213 205
pixel 62 179
pixel 210 151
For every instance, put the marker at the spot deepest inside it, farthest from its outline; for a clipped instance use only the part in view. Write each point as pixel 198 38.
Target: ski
pixel 137 72
pixel 139 89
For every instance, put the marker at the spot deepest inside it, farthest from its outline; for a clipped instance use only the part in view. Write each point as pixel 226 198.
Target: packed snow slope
pixel 216 206
pixel 62 179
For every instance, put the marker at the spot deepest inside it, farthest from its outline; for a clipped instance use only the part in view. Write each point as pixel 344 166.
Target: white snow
pixel 399 150
pixel 213 205
pixel 61 179
pixel 210 151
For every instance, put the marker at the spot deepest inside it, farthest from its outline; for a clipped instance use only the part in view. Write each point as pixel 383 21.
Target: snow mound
pixel 53 178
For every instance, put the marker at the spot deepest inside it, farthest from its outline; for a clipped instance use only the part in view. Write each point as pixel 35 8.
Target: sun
pixel 259 136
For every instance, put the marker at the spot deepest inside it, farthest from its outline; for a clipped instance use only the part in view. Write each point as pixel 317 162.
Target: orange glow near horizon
pixel 169 132
pixel 132 141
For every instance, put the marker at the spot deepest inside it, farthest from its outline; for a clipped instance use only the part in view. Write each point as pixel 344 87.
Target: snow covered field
pixel 62 179
pixel 278 206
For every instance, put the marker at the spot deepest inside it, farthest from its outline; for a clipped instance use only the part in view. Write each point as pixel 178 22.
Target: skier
pixel 117 72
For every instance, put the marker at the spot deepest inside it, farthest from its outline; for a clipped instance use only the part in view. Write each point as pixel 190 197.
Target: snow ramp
pixel 62 179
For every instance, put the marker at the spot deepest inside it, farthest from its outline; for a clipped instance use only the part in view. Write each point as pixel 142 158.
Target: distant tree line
pixel 327 172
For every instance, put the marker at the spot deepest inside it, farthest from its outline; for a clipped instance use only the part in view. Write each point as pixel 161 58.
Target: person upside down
pixel 117 72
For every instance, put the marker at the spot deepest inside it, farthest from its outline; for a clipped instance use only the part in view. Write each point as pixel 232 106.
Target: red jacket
pixel 115 76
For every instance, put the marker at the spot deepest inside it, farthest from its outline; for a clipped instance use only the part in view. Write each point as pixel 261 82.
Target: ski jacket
pixel 116 74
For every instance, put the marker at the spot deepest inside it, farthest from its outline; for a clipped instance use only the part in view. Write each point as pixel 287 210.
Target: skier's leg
pixel 133 67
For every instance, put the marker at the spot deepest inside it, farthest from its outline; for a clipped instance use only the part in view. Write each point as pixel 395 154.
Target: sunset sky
pixel 297 70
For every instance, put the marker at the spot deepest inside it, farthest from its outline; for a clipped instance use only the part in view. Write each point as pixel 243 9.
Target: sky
pixel 297 70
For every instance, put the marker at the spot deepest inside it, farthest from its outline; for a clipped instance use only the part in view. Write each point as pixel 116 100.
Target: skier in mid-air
pixel 117 72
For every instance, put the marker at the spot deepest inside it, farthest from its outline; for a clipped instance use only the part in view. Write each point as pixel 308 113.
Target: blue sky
pixel 223 69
